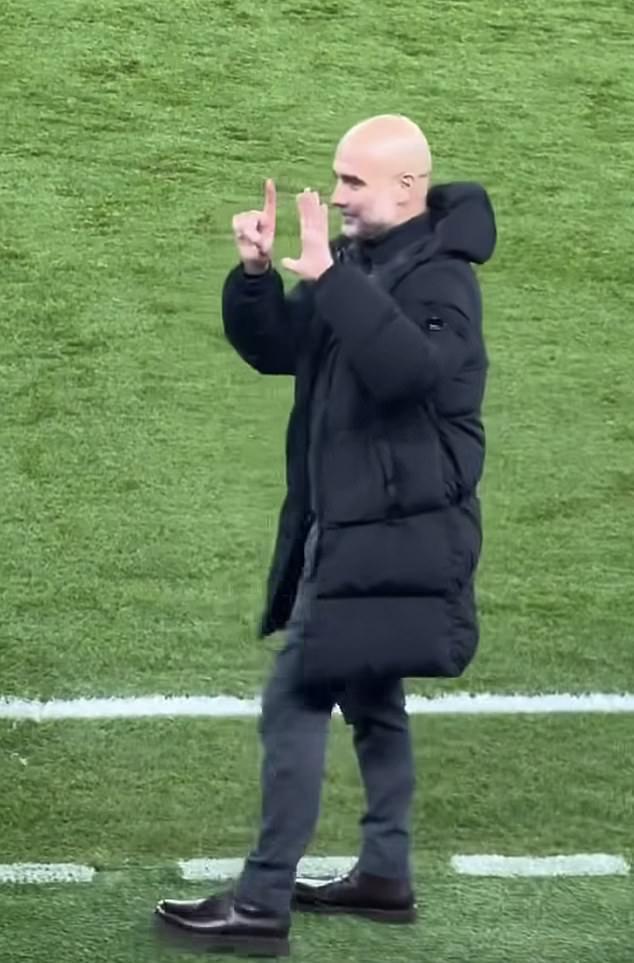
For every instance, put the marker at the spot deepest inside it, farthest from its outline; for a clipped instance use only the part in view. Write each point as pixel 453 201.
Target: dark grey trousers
pixel 294 730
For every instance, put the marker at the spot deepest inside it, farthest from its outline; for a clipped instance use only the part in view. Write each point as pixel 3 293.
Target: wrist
pixel 253 270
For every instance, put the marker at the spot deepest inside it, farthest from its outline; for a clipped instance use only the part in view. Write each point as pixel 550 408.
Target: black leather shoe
pixel 228 926
pixel 372 897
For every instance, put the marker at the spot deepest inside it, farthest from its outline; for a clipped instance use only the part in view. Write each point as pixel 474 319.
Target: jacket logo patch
pixel 434 324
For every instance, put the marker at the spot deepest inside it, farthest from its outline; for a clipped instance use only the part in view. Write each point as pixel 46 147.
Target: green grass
pixel 141 462
pixel 119 792
pixel 491 921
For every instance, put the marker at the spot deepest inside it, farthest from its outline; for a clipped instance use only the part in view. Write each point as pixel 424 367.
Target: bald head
pixel 393 141
pixel 383 168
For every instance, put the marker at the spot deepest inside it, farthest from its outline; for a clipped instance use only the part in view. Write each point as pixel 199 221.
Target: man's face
pixel 365 193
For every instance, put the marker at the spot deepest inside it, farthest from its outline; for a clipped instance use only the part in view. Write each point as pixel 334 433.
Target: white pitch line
pixel 226 707
pixel 580 864
pixel 313 867
pixel 45 873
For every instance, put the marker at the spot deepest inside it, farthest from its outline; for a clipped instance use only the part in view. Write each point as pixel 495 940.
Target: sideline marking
pixel 45 873
pixel 581 864
pixel 226 707
pixel 313 867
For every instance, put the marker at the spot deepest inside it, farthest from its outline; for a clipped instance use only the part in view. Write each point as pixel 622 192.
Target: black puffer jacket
pixel 392 336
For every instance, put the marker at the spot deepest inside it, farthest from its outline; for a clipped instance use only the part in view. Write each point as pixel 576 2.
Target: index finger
pixel 270 198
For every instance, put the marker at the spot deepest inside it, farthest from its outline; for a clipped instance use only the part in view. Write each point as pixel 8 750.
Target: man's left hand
pixel 315 257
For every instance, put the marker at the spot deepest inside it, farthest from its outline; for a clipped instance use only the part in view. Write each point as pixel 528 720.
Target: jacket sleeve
pixel 400 356
pixel 261 322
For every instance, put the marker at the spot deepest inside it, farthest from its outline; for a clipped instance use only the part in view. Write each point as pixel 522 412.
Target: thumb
pixel 290 264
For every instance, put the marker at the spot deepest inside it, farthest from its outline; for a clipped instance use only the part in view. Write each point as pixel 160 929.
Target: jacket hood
pixel 463 220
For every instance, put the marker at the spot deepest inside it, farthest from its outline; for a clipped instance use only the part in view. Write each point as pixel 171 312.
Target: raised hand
pixel 254 233
pixel 315 257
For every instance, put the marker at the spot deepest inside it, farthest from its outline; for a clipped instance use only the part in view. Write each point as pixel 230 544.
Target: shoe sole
pixel 166 927
pixel 378 915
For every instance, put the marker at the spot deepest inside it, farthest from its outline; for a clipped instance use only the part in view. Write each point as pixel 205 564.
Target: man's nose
pixel 336 198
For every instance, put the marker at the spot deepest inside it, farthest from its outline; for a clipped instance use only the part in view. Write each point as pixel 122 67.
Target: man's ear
pixel 406 180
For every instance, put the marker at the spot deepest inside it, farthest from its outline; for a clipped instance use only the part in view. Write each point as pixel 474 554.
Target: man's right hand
pixel 254 233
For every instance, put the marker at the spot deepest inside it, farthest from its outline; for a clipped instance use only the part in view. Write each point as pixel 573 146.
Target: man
pixel 379 537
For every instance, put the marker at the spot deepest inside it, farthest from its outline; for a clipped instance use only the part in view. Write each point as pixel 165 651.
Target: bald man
pixel 379 537
pixel 374 162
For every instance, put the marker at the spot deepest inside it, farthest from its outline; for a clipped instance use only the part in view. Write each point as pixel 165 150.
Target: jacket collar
pixel 370 252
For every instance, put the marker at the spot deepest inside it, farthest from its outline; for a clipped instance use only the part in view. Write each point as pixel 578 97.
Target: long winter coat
pixel 389 344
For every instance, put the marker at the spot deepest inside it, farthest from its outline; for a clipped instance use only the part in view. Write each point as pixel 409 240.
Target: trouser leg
pixel 382 741
pixel 294 729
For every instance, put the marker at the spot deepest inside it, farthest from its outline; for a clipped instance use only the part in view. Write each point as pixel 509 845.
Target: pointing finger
pixel 267 219
pixel 270 198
